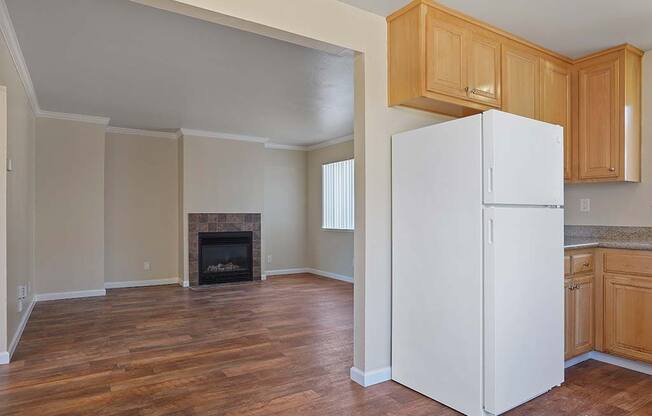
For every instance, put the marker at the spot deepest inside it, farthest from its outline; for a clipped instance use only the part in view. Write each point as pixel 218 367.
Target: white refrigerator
pixel 477 261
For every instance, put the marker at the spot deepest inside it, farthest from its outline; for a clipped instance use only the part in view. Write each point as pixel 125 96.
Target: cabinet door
pixel 555 104
pixel 568 319
pixel 628 316
pixel 484 69
pixel 599 120
pixel 520 82
pixel 582 292
pixel 446 55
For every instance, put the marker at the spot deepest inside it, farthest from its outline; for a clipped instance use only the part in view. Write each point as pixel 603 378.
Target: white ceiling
pixel 150 69
pixel 571 27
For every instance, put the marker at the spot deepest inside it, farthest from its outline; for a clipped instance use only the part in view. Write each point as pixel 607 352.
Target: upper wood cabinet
pixel 520 82
pixel 608 116
pixel 446 55
pixel 443 61
pixel 483 68
pixel 555 103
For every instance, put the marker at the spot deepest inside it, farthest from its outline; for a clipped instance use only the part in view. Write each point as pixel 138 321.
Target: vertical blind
pixel 338 195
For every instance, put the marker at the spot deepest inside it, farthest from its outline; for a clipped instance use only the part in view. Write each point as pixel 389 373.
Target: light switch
pixel 10 165
pixel 585 205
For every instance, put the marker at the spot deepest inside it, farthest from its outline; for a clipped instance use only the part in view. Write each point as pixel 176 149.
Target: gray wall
pixel 328 250
pixel 69 206
pixel 141 208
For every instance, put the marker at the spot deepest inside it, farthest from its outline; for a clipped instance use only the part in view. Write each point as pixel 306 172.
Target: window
pixel 337 195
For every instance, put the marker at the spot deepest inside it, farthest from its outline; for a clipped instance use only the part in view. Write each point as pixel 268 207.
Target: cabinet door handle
pixel 587 264
pixel 612 169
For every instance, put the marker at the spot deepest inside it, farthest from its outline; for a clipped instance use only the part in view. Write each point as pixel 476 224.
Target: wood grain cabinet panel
pixel 609 116
pixel 579 316
pixel 484 68
pixel 520 74
pixel 628 316
pixel 599 120
pixel 555 106
pixel 583 315
pixel 446 55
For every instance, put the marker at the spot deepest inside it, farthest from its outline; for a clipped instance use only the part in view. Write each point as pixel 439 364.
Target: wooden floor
pixel 280 347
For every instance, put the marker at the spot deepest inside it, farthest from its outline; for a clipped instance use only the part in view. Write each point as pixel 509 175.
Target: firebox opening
pixel 225 257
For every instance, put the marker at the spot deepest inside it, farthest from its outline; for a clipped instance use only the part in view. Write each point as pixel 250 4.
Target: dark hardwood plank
pixel 280 347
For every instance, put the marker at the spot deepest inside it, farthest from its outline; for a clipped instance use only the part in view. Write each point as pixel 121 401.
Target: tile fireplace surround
pixel 211 222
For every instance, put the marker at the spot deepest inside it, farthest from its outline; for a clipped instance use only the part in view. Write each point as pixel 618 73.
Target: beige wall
pixel 221 176
pixel 620 203
pixel 328 250
pixel 140 202
pixel 285 210
pixel 20 191
pixel 323 20
pixel 69 206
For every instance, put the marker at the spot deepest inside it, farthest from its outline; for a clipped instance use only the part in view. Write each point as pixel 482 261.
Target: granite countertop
pixel 630 238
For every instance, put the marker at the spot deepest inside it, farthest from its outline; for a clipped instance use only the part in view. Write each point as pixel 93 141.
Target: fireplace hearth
pixel 223 248
pixel 225 257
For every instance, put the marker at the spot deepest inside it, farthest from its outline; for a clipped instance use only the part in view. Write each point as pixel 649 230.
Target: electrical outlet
pixel 585 205
pixel 22 292
pixel 269 259
pixel 147 266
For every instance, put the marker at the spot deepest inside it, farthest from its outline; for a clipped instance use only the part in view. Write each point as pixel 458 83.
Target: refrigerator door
pixel 523 160
pixel 437 262
pixel 523 304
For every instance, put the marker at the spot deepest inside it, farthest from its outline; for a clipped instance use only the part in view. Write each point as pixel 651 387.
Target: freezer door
pixel 523 304
pixel 522 160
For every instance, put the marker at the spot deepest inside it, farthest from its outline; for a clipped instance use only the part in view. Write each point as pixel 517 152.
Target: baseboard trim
pixel 340 277
pixel 183 283
pixel 612 359
pixel 369 378
pixel 141 283
pixel 21 327
pixel 69 295
pixel 269 273
pixel 4 357
pixel 317 272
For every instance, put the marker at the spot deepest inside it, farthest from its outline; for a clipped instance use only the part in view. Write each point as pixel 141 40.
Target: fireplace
pixel 225 257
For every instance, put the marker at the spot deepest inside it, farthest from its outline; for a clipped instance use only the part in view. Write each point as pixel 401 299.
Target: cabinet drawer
pixel 628 262
pixel 582 263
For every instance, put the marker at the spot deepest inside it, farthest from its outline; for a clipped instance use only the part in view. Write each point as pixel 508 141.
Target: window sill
pixel 337 230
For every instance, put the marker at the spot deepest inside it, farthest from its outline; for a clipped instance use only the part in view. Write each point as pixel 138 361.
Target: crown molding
pixel 73 117
pixel 140 132
pixel 277 146
pixel 330 142
pixel 224 136
pixel 7 29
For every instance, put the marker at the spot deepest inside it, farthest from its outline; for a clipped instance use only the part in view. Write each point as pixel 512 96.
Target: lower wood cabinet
pixel 579 315
pixel 608 298
pixel 628 316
